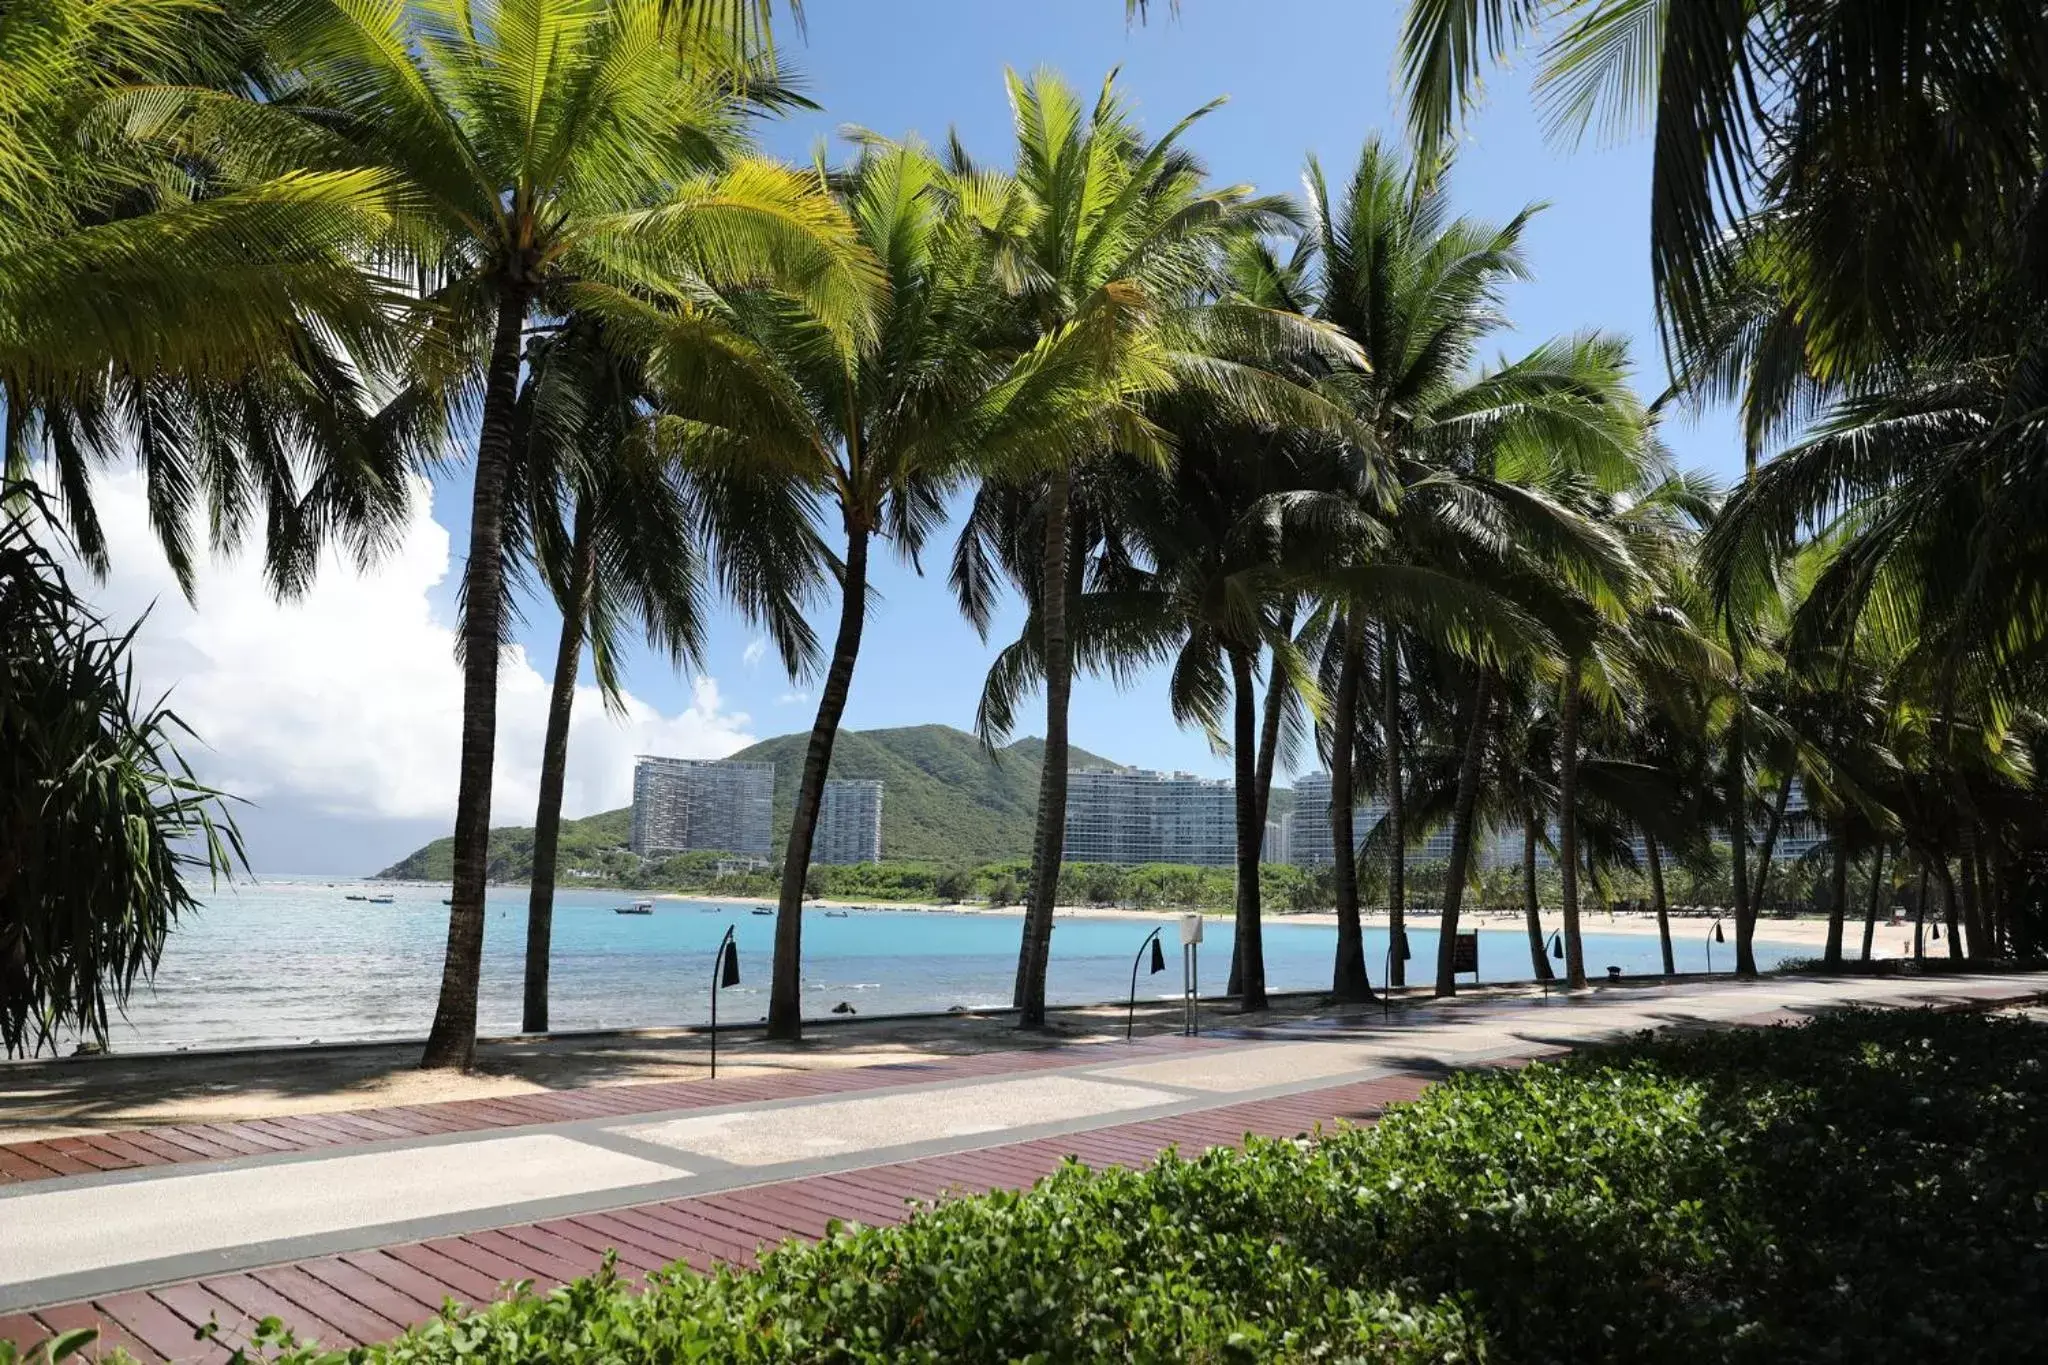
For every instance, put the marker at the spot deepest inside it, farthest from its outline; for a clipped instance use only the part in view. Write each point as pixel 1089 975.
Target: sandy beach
pixel 1804 932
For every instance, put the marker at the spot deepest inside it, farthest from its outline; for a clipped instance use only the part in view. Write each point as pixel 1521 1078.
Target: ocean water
pixel 295 961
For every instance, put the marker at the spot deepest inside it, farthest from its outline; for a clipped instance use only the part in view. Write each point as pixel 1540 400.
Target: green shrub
pixel 1868 1187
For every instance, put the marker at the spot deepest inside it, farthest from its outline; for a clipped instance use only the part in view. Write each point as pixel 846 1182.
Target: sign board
pixel 1465 953
pixel 1190 929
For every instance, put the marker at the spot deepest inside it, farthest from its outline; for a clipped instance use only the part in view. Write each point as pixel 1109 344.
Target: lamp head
pixel 729 973
pixel 1719 937
pixel 1401 946
pixel 1158 957
pixel 1557 946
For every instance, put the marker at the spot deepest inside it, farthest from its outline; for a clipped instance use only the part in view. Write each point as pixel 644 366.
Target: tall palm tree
pixel 1110 259
pixel 945 381
pixel 1418 290
pixel 628 515
pixel 555 158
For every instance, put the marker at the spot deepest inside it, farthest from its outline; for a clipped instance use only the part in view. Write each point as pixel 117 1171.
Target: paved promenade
pixel 354 1226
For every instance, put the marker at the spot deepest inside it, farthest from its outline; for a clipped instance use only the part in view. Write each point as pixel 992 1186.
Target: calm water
pixel 286 962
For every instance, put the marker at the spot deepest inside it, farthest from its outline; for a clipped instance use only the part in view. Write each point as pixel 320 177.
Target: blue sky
pixel 1302 76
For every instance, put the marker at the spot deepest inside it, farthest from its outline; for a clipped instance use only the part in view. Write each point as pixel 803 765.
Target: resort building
pixel 1309 843
pixel 1131 816
pixel 849 824
pixel 690 805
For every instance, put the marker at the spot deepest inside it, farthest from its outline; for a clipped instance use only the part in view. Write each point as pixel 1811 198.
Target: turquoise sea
pixel 285 961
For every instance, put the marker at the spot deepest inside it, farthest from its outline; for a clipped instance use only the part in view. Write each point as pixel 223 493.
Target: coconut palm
pixel 554 158
pixel 628 516
pixel 1112 260
pixel 946 381
pixel 179 294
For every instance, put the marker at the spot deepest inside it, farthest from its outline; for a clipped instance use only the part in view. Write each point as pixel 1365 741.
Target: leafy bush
pixel 1868 1187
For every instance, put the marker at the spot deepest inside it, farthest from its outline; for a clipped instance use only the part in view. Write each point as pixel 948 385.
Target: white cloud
pixel 756 650
pixel 792 699
pixel 349 701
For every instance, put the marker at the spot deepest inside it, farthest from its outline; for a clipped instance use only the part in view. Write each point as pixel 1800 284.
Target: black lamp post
pixel 1555 947
pixel 1397 942
pixel 1714 936
pixel 725 971
pixel 1158 966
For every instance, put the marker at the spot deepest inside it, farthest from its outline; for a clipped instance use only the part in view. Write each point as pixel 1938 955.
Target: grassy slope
pixel 944 800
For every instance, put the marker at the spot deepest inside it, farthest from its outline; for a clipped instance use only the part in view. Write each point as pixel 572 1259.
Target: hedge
pixel 1866 1187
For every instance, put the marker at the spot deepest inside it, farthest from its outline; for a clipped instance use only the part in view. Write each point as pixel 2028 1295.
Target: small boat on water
pixel 354 897
pixel 835 914
pixel 763 910
pixel 636 908
pixel 381 900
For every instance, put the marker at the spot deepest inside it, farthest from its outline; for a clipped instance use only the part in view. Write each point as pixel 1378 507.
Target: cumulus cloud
pixel 348 702
pixel 792 699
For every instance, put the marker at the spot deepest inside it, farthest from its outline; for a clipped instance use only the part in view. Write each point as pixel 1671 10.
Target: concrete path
pixel 360 1225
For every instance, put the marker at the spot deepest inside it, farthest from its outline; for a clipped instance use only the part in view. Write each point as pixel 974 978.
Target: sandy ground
pixel 53 1098
pixel 1804 933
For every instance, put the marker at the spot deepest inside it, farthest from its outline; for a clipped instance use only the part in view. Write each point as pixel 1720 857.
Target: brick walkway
pixel 373 1295
pixel 359 1294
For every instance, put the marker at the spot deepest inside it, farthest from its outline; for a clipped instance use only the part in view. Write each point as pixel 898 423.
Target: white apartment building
pixel 1132 816
pixel 691 805
pixel 849 824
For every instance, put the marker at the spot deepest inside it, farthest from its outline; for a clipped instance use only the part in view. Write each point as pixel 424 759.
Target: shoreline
pixel 1803 932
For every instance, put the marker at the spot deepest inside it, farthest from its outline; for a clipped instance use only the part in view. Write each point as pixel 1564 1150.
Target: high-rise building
pixel 1310 845
pixel 689 805
pixel 1131 816
pixel 849 824
pixel 1274 850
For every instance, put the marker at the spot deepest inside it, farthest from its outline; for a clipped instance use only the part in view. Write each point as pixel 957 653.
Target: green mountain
pixel 944 799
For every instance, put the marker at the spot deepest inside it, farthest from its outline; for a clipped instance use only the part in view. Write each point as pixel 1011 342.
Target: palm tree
pixel 886 428
pixel 626 514
pixel 555 158
pixel 1116 242
pixel 1418 290
pixel 177 289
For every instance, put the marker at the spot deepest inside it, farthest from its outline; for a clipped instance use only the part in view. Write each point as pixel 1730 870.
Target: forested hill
pixel 944 800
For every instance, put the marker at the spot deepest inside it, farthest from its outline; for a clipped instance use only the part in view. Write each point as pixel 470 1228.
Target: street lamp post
pixel 1555 947
pixel 1158 966
pixel 1714 936
pixel 725 971
pixel 1397 941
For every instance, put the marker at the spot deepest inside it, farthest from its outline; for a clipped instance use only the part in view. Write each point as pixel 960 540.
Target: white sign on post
pixel 1190 929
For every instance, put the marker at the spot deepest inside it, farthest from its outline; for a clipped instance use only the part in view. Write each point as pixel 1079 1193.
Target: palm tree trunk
pixel 1769 849
pixel 1738 846
pixel 1532 904
pixel 1275 706
pixel 785 993
pixel 451 1042
pixel 1048 855
pixel 1948 908
pixel 1251 832
pixel 1920 912
pixel 1838 899
pixel 1269 723
pixel 1349 979
pixel 1876 895
pixel 1656 856
pixel 1568 822
pixel 1478 711
pixel 1396 817
pixel 554 764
